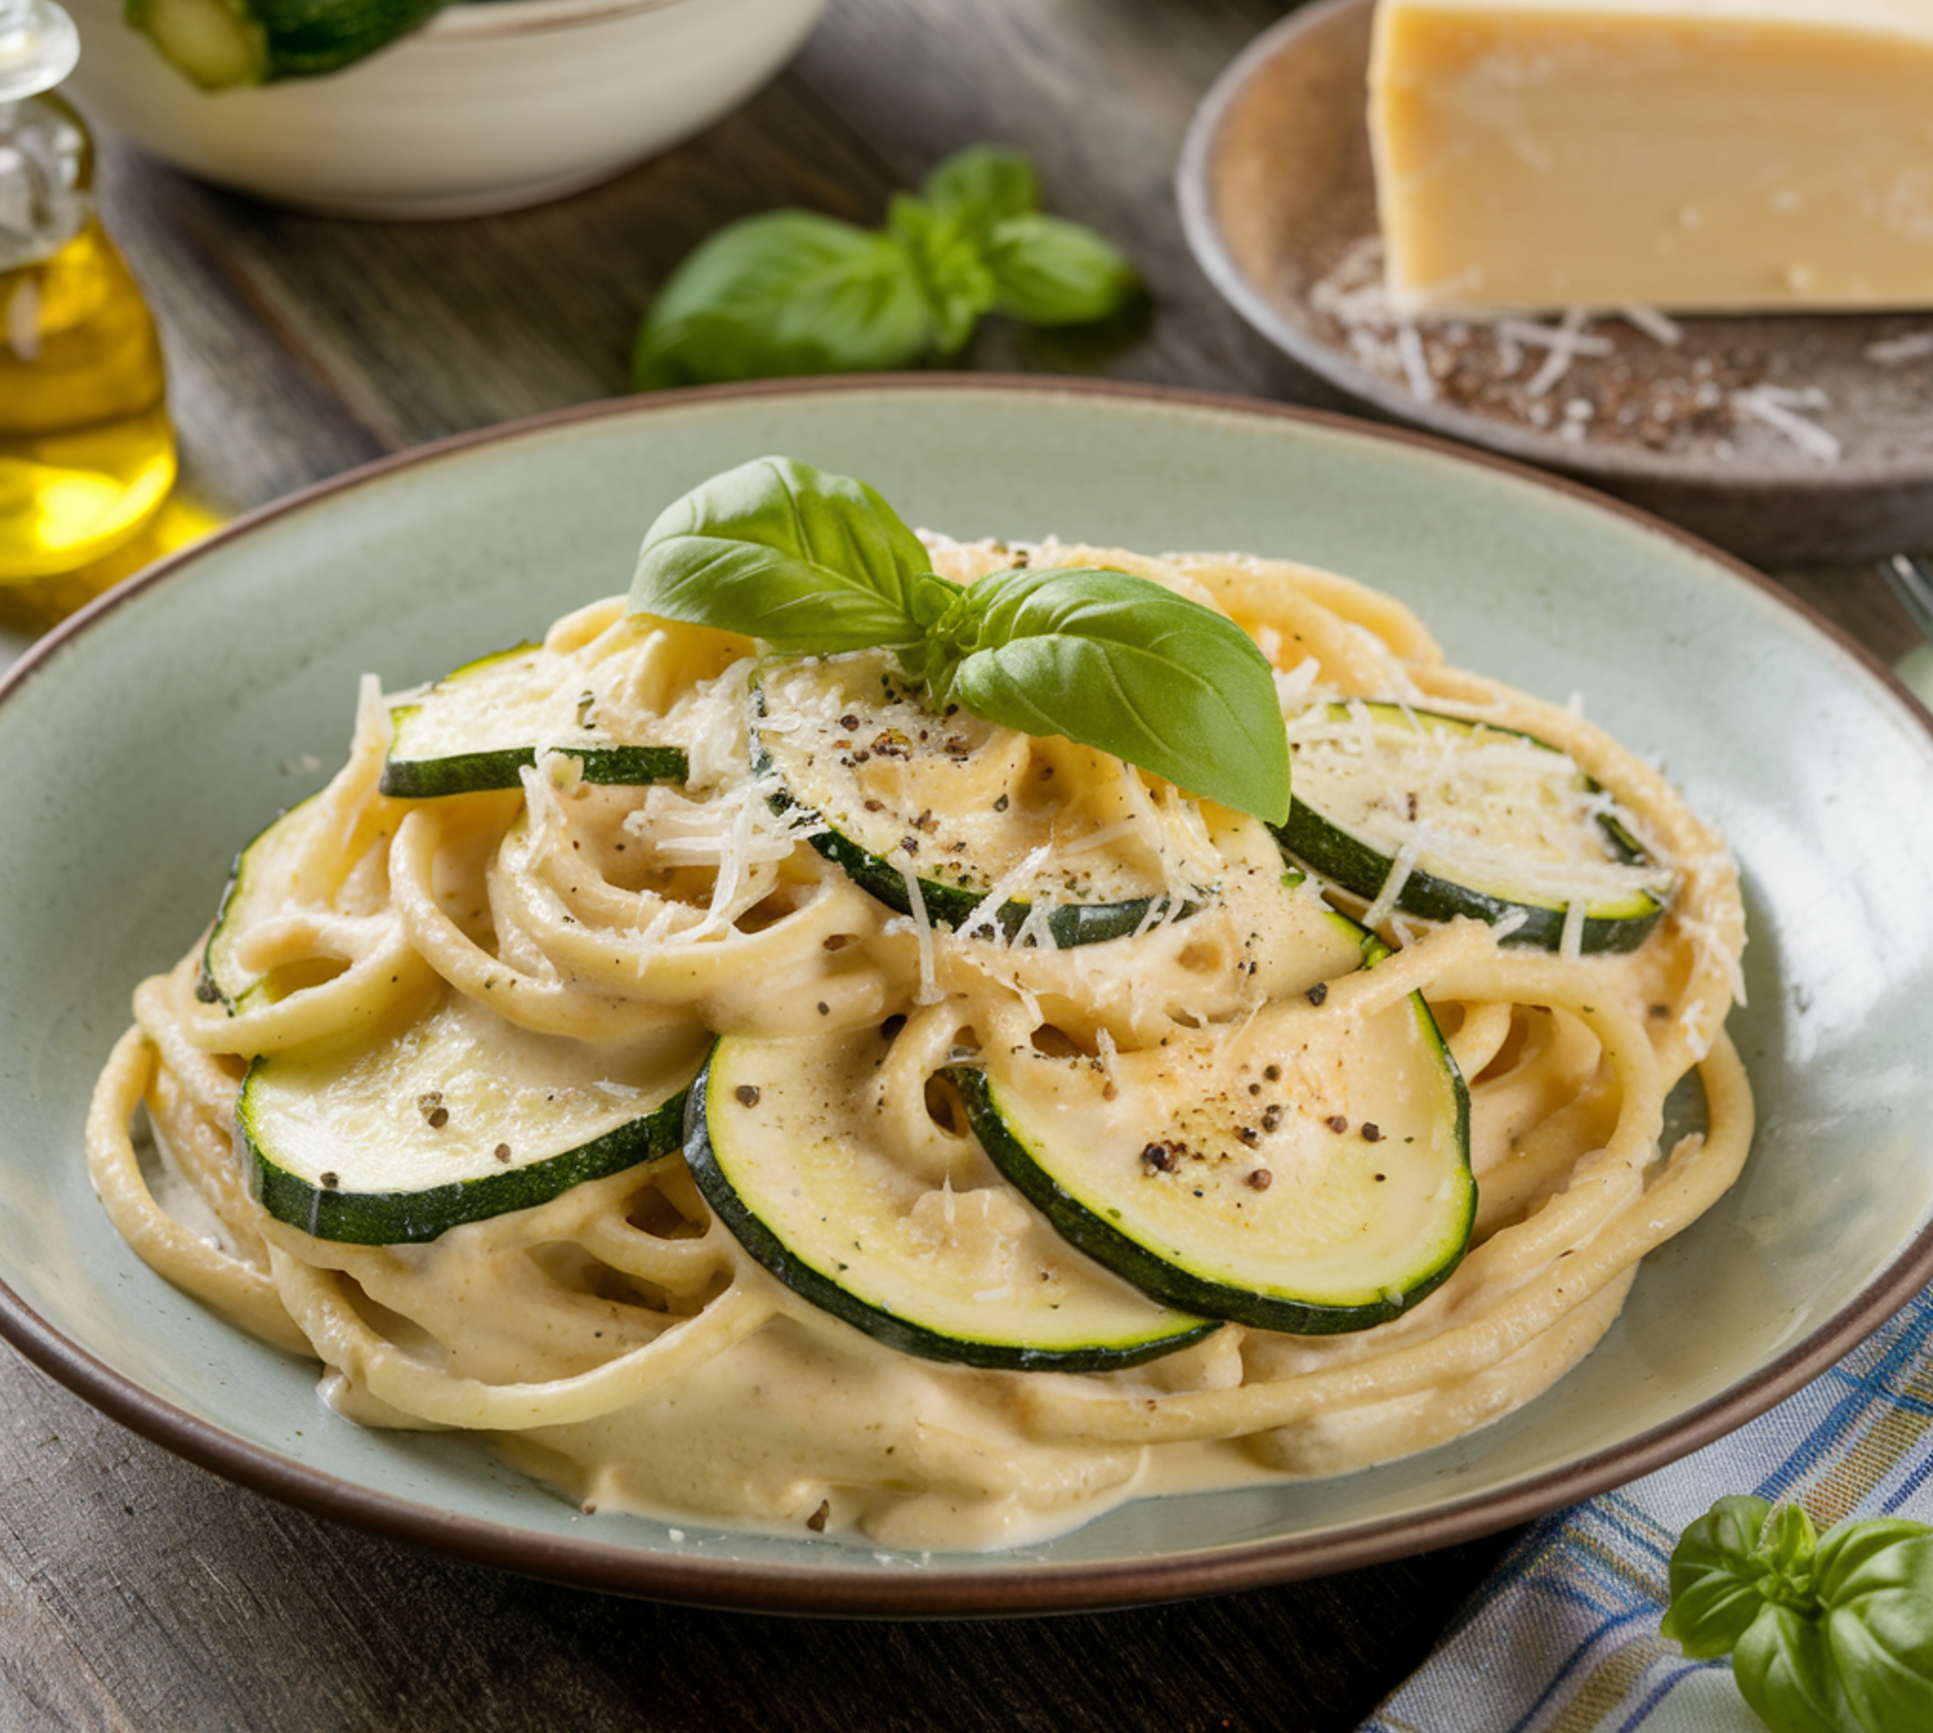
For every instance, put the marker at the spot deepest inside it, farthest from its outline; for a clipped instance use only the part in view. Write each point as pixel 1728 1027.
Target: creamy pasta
pixel 618 1340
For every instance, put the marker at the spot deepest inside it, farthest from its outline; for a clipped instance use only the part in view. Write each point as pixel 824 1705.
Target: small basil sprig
pixel 1831 1635
pixel 813 564
pixel 791 293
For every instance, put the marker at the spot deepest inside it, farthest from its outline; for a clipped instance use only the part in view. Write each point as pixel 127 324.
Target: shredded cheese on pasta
pixel 619 1343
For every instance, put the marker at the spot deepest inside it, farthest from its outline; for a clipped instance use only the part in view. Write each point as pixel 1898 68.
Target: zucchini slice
pixel 952 804
pixel 283 871
pixel 1309 1173
pixel 258 884
pixel 460 1117
pixel 478 727
pixel 784 1138
pixel 220 44
pixel 1472 819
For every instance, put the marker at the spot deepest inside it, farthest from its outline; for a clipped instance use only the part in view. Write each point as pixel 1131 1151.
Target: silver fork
pixel 1911 580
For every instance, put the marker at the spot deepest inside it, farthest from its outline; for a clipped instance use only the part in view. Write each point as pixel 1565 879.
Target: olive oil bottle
pixel 87 454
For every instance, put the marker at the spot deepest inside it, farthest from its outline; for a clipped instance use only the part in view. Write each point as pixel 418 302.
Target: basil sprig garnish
pixel 791 292
pixel 1831 1635
pixel 813 564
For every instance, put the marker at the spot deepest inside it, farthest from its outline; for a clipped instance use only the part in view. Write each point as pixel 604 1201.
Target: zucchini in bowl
pixel 220 44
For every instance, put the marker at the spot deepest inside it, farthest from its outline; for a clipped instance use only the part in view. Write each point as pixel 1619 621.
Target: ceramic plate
pixel 140 745
pixel 1792 438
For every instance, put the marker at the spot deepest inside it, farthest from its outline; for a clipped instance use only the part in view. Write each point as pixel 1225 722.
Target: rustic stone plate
pixel 1784 439
pixel 143 742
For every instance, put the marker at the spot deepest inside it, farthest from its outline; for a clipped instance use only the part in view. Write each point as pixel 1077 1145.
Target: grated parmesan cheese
pixel 1570 943
pixel 1778 407
pixel 1656 324
pixel 1896 351
pixel 921 926
pixel 1398 876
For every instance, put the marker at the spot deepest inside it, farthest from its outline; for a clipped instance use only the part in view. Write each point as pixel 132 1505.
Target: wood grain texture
pixel 300 346
pixel 138 1592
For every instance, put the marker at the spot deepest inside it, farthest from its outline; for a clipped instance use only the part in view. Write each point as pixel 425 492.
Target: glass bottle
pixel 87 455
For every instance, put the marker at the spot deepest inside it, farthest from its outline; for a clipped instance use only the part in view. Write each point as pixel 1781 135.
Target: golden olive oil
pixel 87 454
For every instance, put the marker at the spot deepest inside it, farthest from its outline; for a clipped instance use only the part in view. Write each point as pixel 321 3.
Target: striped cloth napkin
pixel 1563 1638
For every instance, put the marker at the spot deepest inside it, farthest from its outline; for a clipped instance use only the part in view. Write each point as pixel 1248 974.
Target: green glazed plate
pixel 143 742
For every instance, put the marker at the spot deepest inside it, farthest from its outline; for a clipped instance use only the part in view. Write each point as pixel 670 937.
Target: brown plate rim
pixel 938 1589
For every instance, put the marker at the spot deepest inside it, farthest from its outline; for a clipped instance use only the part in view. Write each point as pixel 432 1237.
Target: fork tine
pixel 1912 582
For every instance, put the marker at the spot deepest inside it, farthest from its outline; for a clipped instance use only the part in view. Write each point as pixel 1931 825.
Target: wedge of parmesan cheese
pixel 1694 155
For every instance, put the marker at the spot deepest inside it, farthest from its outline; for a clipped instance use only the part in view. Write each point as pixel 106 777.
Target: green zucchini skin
pixel 217 983
pixel 477 694
pixel 473 772
pixel 900 1330
pixel 1331 853
pixel 276 850
pixel 222 44
pixel 950 906
pixel 1326 847
pixel 452 1117
pixel 1166 1276
pixel 306 37
pixel 391 1218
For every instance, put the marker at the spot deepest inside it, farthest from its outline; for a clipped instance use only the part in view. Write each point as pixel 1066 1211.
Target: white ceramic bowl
pixel 492 105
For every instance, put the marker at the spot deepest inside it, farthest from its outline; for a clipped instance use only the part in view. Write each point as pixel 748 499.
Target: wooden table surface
pixel 138 1592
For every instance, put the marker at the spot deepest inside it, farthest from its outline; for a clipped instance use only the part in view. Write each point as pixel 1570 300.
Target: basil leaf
pixel 1052 272
pixel 983 184
pixel 810 562
pixel 1722 1567
pixel 781 295
pixel 952 273
pixel 1826 1636
pixel 791 293
pixel 1120 664
pixel 1785 1670
pixel 814 563
pixel 1875 1581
